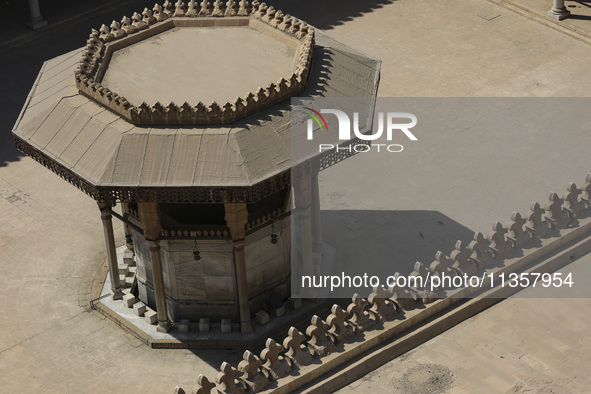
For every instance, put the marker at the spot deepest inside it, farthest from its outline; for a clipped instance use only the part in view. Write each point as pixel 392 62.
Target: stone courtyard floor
pixel 52 254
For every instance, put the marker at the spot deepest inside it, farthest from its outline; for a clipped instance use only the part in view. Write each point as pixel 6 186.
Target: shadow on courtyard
pixel 397 239
pixel 328 13
pixel 381 243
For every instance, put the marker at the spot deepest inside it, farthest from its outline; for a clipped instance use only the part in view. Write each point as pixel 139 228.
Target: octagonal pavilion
pixel 182 116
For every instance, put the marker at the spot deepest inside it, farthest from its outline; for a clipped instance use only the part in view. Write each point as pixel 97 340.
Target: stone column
pixel 303 204
pixel 36 21
pixel 127 227
pixel 236 218
pixel 116 292
pixel 316 223
pixel 150 218
pixel 558 10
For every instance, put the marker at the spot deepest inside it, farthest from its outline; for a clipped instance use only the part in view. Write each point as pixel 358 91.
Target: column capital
pixel 104 205
pixel 149 213
pixel 236 216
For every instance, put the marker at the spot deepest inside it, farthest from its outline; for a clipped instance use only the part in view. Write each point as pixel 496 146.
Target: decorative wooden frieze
pixel 158 194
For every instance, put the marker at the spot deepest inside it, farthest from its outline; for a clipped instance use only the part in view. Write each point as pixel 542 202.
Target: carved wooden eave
pixel 131 194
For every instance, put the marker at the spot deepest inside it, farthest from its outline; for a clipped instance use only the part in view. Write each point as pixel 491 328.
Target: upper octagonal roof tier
pixel 220 63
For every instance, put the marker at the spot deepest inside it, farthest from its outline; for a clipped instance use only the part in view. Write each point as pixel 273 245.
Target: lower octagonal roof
pixel 112 159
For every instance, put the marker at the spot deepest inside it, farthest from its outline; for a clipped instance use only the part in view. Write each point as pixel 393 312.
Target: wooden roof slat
pixel 92 164
pixel 63 62
pixel 183 158
pixel 65 87
pixel 71 128
pixel 39 103
pixel 130 157
pixel 262 150
pixel 83 140
pixel 157 159
pixel 52 124
pixel 213 159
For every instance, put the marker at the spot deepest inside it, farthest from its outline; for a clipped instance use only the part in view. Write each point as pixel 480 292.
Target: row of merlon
pixel 278 360
pixel 193 114
pixel 137 22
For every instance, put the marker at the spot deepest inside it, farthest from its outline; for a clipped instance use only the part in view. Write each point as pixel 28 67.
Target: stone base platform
pixel 180 338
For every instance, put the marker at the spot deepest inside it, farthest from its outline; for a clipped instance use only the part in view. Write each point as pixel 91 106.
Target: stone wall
pixel 207 288
pixel 268 265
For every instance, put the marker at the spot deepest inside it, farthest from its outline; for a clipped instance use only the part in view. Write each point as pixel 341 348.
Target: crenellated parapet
pixel 102 43
pixel 366 322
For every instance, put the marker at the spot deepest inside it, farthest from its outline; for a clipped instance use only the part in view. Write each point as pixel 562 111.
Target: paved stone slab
pixel 51 242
